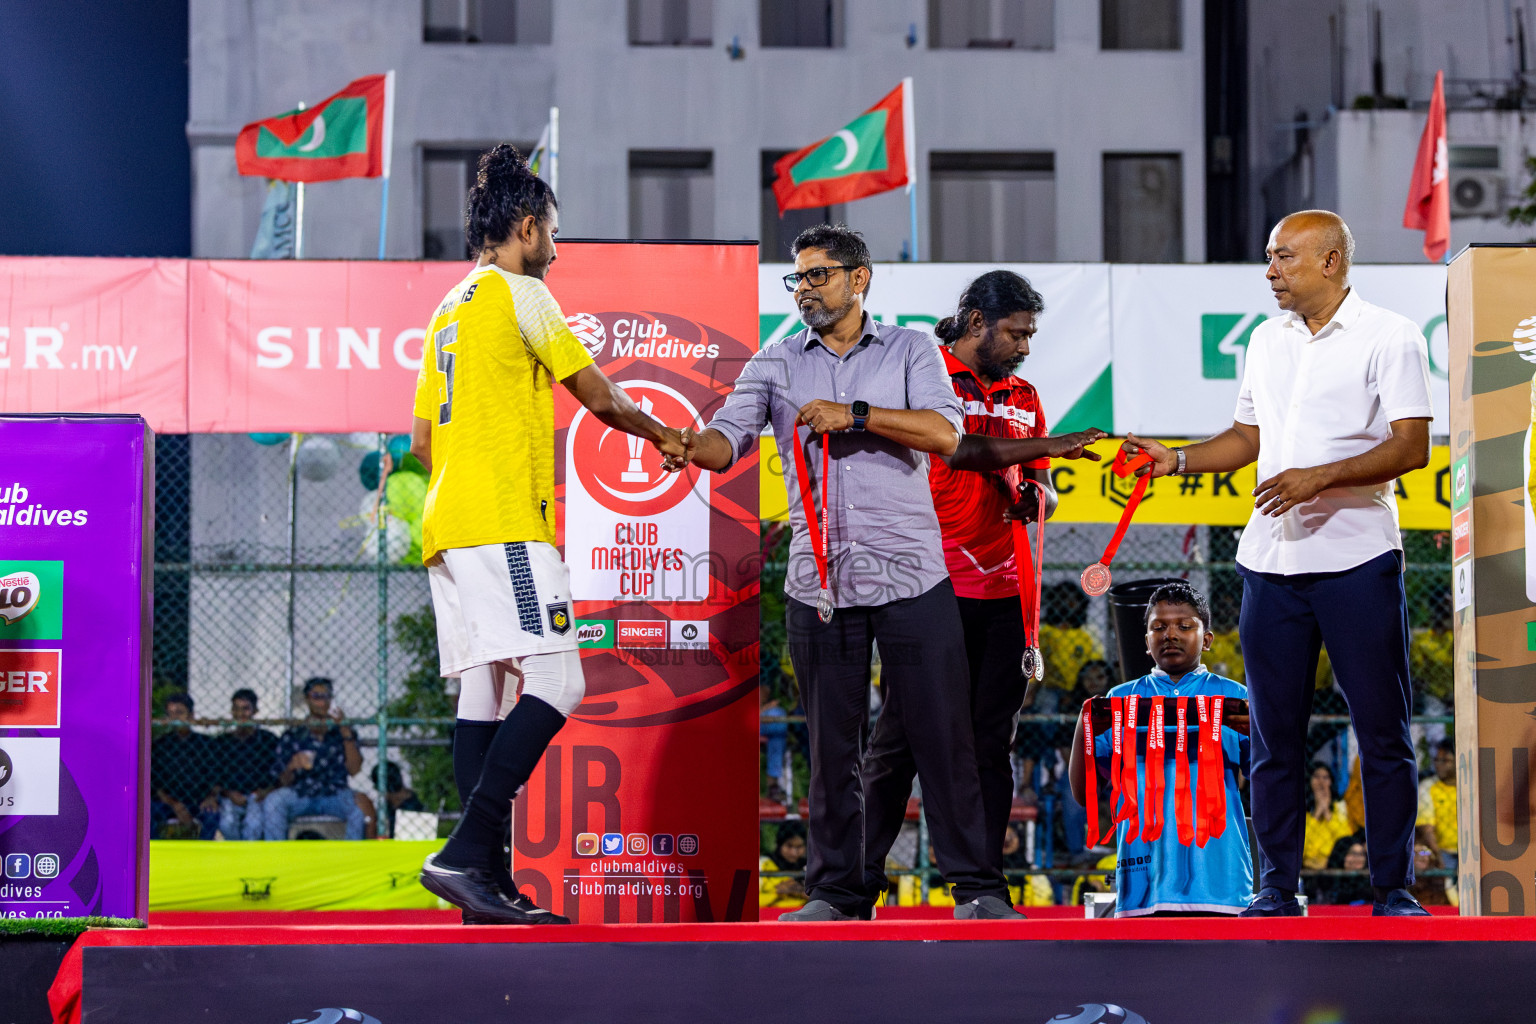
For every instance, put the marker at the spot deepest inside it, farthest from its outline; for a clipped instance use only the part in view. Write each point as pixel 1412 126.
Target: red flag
pixel 1429 194
pixel 342 136
pixel 872 153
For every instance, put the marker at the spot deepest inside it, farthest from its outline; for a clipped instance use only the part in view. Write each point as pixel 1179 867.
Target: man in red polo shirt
pixel 976 492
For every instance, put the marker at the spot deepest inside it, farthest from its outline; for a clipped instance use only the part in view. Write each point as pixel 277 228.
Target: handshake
pixel 678 447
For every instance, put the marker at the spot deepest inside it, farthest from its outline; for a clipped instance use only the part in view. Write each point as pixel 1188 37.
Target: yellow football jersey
pixel 493 349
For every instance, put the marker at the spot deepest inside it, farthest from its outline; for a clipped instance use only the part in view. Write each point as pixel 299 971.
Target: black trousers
pixel 925 718
pixel 1361 615
pixel 994 646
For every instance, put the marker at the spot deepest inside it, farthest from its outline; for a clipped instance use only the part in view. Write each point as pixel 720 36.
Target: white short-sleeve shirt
pixel 1318 399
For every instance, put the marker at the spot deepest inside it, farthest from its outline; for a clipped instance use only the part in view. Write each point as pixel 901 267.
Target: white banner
pixel 1181 332
pixel 1174 334
pixel 1069 358
pixel 29 775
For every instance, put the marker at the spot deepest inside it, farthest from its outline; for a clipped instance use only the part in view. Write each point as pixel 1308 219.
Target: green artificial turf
pixel 60 927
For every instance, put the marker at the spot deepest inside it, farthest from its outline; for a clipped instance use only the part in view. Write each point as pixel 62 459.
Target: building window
pixel 671 193
pixel 1139 24
pixel 1143 208
pixel 671 22
pixel 991 24
pixel 993 207
pixel 778 233
pixel 446 174
pixel 810 23
pixel 487 21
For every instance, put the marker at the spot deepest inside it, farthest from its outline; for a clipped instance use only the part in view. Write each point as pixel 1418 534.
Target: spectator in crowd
pixel 775 735
pixel 243 758
pixel 1094 678
pixel 1226 655
pixel 1430 890
pixel 1102 880
pixel 1346 890
pixel 1065 639
pixel 398 797
pixel 1028 889
pixel 313 763
pixel 1430 654
pixel 788 855
pixel 181 775
pixel 1327 818
pixel 1437 806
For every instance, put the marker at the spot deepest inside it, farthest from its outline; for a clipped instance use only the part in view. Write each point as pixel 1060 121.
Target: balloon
pixel 399 447
pixel 397 541
pixel 318 458
pixel 269 439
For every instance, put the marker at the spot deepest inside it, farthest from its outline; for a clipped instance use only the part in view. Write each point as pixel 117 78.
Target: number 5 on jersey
pixel 441 341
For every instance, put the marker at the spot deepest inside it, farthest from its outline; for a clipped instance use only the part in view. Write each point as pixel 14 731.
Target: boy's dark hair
pixel 245 693
pixel 1447 744
pixel 996 295
pixel 1180 592
pixel 840 242
pixel 314 681
pixel 505 191
pixel 181 697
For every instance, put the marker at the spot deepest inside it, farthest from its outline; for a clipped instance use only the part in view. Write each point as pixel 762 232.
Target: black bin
pixel 1128 610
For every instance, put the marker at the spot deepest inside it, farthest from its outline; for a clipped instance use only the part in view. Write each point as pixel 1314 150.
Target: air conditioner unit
pixel 1477 193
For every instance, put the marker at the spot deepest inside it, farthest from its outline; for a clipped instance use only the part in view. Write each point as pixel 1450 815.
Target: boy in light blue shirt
pixel 1164 876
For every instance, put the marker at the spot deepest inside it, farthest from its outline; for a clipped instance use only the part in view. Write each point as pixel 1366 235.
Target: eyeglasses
pixel 815 277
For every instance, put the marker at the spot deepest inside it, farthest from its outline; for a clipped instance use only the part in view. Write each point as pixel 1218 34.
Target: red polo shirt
pixel 978 545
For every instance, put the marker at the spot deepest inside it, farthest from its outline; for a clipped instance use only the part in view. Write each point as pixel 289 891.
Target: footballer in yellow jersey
pixel 484 428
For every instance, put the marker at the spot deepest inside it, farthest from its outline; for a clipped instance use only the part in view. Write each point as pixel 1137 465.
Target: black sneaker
pixel 1272 902
pixel 475 892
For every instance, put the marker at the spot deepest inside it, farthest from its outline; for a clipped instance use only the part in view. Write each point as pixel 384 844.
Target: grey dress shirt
pixel 883 535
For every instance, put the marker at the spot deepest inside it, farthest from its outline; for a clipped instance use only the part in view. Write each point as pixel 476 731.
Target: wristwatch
pixel 860 412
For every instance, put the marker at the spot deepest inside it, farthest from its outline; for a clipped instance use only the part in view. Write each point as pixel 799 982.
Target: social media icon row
pixel 636 844
pixel 25 865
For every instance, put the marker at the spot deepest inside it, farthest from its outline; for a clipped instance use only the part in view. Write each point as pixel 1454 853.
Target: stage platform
pixel 1343 966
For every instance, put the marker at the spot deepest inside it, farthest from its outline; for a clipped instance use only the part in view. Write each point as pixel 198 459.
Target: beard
pixel 821 316
pixel 994 365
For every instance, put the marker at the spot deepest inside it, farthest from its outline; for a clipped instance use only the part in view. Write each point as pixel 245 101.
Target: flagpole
pixel 554 150
pixel 909 143
pixel 388 145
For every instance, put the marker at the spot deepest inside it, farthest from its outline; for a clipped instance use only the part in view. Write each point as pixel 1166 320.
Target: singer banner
pixel 643 808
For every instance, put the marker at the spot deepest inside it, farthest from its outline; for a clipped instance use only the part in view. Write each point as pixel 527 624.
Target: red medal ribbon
pixel 1128 770
pixel 1157 746
pixel 1092 838
pixel 1213 772
pixel 1124 467
pixel 817 529
pixel 1209 757
pixel 1030 568
pixel 1116 740
pixel 1182 798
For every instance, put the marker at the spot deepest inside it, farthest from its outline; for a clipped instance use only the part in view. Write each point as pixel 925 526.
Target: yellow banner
pixel 291 875
pixel 1090 493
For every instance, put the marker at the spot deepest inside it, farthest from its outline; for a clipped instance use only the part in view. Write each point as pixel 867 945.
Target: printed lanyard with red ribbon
pixel 1211 795
pixel 1092 751
pixel 1127 783
pixel 1183 810
pixel 816 525
pixel 1152 814
pixel 1096 578
pixel 1030 569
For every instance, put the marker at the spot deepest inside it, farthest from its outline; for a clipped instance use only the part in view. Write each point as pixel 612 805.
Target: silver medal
pixel 824 605
pixel 1033 665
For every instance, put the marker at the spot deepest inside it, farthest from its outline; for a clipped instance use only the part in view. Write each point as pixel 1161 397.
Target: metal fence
pixel 269 570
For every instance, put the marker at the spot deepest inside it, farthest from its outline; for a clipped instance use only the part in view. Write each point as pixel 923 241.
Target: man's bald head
pixel 1327 231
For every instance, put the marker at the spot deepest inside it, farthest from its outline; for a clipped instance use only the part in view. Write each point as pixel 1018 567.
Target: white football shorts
pixel 500 601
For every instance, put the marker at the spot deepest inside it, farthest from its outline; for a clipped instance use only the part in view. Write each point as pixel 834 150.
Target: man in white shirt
pixel 1334 407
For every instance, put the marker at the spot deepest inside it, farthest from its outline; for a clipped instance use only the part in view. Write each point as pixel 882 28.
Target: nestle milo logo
pixel 594 633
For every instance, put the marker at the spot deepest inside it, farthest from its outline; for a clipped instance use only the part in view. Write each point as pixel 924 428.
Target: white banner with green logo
pixel 1180 334
pixel 1174 335
pixel 1069 359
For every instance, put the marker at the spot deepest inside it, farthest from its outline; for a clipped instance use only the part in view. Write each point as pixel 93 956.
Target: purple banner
pixel 76 550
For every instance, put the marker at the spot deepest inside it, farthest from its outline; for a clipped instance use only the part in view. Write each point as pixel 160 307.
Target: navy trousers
pixel 1361 615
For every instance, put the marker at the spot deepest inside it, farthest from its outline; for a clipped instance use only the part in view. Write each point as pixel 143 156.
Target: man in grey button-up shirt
pixel 879 396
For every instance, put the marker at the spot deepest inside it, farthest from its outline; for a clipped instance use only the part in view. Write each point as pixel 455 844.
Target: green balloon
pixel 368 471
pixel 269 439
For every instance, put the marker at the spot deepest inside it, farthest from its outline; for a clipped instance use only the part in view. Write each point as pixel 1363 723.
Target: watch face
pixel 861 408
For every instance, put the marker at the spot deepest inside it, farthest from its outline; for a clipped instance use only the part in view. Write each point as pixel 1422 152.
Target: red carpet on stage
pixel 406 966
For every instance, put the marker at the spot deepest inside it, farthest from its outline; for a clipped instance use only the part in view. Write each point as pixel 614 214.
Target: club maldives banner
pixel 76 514
pixel 643 809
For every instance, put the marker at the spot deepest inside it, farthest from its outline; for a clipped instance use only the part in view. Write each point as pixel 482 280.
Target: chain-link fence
pixel 269 572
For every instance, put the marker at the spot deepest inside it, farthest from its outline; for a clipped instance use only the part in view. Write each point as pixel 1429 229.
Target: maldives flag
pixel 875 152
pixel 344 136
pixel 1429 194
